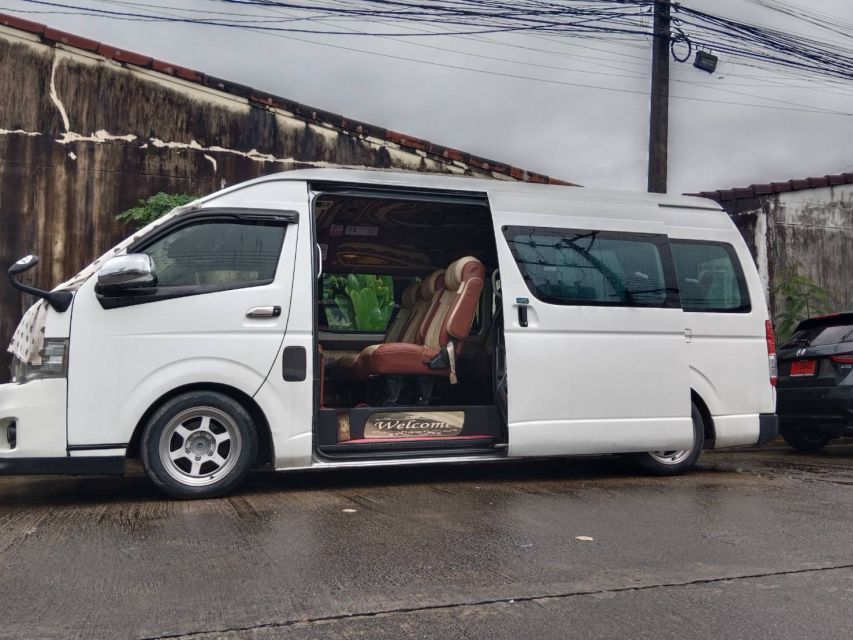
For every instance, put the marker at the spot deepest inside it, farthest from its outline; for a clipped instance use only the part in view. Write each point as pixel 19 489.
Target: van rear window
pixel 710 277
pixel 819 335
pixel 582 267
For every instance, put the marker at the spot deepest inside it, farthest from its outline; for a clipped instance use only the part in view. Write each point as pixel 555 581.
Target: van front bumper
pixel 34 413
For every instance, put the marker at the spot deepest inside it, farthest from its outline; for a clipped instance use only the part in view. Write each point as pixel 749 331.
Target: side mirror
pixel 127 273
pixel 59 300
pixel 24 264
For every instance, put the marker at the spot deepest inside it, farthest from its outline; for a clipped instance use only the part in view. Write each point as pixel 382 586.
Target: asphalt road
pixel 755 544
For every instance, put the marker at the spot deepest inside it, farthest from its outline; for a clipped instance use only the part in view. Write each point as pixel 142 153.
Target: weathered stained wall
pixel 86 131
pixel 810 230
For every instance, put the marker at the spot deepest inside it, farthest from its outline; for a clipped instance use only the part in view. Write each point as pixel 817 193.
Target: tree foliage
pixel 149 209
pixel 801 298
pixel 365 302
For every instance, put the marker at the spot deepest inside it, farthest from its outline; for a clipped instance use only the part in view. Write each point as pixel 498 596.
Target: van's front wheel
pixel 199 444
pixel 668 463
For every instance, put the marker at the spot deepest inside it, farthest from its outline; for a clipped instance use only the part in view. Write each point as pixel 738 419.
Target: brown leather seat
pixel 447 325
pixel 415 304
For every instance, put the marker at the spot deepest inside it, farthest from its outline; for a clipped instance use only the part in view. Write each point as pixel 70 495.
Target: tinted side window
pixel 217 253
pixel 564 266
pixel 710 277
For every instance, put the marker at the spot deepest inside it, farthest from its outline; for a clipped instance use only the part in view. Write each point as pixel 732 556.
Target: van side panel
pixel 289 405
pixel 122 360
pixel 582 378
pixel 727 352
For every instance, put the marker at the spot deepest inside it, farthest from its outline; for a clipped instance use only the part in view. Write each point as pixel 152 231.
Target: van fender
pixel 729 430
pixel 702 386
pixel 182 373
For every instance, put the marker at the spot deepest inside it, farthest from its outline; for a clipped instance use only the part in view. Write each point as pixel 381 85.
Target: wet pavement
pixel 754 543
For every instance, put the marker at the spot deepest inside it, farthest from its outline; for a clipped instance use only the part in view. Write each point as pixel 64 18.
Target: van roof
pixel 449 182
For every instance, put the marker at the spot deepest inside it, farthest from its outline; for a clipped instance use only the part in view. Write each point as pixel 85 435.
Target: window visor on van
pixel 401 193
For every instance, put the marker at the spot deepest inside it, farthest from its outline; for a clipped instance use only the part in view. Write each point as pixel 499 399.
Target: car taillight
pixel 842 358
pixel 771 352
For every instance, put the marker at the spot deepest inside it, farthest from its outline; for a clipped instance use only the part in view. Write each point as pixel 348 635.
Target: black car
pixel 815 388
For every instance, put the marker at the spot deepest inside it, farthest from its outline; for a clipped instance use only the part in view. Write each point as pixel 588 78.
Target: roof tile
pixel 779 187
pixel 71 40
pixel 455 154
pixel 174 70
pixel 122 55
pixel 24 25
pixel 227 86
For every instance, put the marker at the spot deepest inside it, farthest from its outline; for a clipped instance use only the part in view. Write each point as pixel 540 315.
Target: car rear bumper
pixel 831 405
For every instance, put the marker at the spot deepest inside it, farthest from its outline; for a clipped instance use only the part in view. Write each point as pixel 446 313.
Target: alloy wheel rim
pixel 670 457
pixel 673 456
pixel 200 446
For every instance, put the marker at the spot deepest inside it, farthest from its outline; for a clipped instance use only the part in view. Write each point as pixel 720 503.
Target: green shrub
pixel 363 302
pixel 149 209
pixel 800 298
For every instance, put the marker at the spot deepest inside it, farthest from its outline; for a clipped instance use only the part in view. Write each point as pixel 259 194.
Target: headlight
pixel 54 363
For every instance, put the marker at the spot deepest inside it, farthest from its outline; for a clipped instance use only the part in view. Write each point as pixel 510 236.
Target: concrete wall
pixel 810 230
pixel 84 134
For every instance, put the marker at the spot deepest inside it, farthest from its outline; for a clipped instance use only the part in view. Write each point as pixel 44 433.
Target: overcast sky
pixel 591 136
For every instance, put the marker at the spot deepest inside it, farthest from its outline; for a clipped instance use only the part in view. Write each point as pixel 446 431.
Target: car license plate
pixel 803 368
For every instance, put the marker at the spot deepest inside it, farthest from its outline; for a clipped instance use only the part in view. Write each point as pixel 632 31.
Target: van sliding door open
pixel 595 345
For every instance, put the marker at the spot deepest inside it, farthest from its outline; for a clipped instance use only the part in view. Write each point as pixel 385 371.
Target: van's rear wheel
pixel 671 462
pixel 200 444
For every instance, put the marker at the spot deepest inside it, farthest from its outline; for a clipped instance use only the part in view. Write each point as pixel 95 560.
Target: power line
pixel 329 10
pixel 552 67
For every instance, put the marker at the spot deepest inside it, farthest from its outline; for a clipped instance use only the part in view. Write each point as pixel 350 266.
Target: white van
pixel 343 318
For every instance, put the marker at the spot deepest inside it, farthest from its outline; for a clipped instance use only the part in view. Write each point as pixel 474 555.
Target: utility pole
pixel 659 115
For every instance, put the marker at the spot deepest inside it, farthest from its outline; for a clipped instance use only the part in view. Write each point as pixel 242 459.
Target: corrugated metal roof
pixel 758 190
pixel 261 98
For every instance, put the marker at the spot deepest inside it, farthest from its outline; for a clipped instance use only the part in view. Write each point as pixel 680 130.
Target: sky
pixel 591 130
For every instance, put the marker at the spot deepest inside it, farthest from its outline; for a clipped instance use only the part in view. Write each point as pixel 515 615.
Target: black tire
pixel 200 444
pixel 655 461
pixel 804 439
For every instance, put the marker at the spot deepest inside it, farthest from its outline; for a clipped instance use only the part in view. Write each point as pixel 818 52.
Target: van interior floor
pixel 408 430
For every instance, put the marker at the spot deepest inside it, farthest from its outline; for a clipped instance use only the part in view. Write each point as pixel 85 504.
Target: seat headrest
pixel 432 284
pixel 461 270
pixel 410 295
